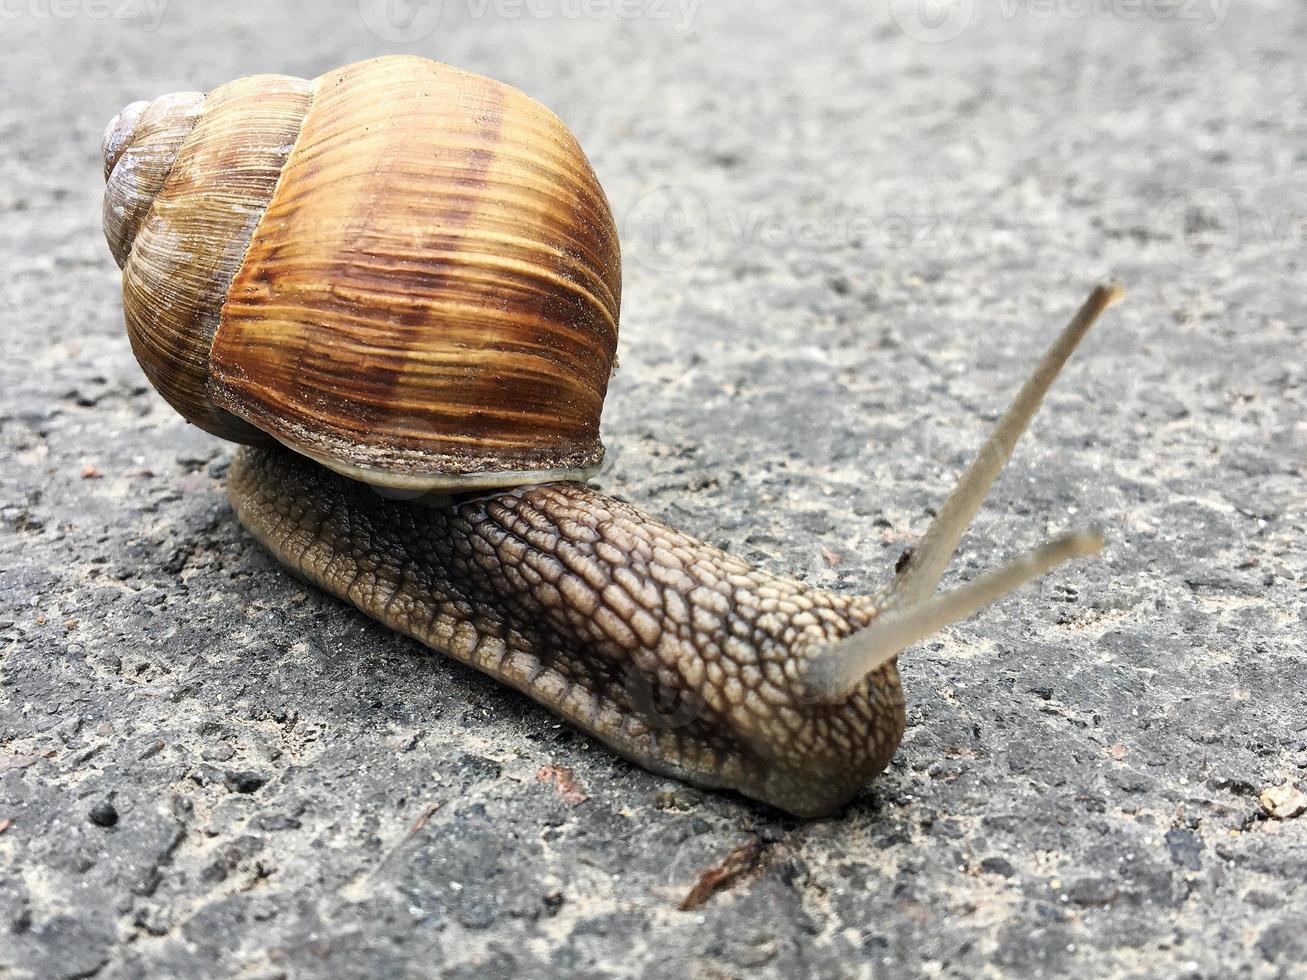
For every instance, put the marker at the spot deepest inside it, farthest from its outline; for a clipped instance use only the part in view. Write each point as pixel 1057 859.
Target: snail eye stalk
pixel 838 670
pixel 911 614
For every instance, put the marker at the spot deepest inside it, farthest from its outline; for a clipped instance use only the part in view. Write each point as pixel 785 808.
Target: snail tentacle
pixel 909 614
pixel 839 668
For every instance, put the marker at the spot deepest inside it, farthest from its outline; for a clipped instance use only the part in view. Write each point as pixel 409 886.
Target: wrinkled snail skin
pixel 679 656
pixel 401 275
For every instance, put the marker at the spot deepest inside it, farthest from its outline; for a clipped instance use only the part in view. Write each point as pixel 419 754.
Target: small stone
pixel 477 914
pixel 273 822
pixel 244 781
pixel 1265 900
pixel 677 799
pixel 565 782
pixel 1283 943
pixel 1284 802
pixel 1186 848
pixel 1092 891
pixel 553 903
pixel 998 866
pixel 104 814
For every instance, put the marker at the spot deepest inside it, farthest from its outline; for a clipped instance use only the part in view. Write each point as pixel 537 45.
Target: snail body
pixel 674 653
pixel 403 277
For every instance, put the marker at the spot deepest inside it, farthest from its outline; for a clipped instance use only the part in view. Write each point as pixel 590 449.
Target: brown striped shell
pixel 404 271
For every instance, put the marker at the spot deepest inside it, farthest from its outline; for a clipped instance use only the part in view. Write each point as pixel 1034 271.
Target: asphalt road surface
pixel 848 230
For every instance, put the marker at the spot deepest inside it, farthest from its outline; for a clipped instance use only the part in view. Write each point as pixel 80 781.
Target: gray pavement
pixel 848 231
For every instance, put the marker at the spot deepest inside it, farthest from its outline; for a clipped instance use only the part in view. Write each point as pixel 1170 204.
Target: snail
pixel 397 286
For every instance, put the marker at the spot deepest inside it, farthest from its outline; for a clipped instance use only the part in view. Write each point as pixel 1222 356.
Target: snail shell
pixel 404 271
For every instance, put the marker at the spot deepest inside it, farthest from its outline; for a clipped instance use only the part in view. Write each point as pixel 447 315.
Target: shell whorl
pixel 189 178
pixel 119 133
pixel 140 147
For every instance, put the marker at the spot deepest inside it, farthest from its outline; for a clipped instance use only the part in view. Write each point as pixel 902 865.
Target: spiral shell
pixel 405 271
